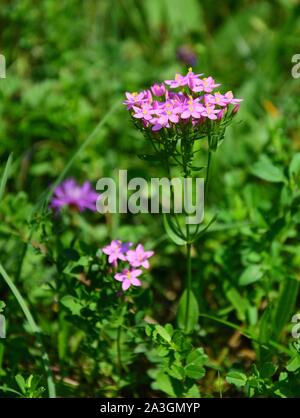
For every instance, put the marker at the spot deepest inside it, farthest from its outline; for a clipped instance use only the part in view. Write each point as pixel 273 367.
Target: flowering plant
pixel 120 251
pixel 174 116
pixel 187 107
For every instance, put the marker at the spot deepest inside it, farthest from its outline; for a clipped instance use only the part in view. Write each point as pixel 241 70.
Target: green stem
pixel 208 166
pixel 188 247
pixel 188 284
pixel 34 328
pixel 119 358
pixel 208 169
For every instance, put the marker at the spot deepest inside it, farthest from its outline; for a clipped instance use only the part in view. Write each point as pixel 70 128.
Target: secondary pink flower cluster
pixel 187 98
pixel 121 251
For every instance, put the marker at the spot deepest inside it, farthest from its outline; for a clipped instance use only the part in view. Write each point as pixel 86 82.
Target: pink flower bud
pixel 236 108
pixel 221 113
pixel 158 90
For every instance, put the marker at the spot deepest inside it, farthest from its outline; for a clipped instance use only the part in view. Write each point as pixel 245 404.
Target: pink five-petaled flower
pixel 116 250
pixel 139 257
pixel 145 112
pixel 134 99
pixel 215 99
pixel 179 81
pixel 71 194
pixel 128 278
pixel 167 113
pixel 230 99
pixel 191 79
pixel 210 112
pixel 158 89
pixel 205 84
pixel 192 108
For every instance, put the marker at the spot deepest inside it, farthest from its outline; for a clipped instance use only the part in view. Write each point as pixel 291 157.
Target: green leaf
pixel 21 382
pixel 267 370
pixel 73 304
pixel 284 307
pixel 236 378
pixel 2 305
pixel 173 233
pixel 250 275
pixel 195 372
pixel 200 233
pixel 265 170
pixel 239 303
pixel 176 371
pixel 197 356
pixel 163 333
pixel 264 326
pixel 164 383
pixel 192 311
pixel 294 168
pixel 293 364
pixel 193 392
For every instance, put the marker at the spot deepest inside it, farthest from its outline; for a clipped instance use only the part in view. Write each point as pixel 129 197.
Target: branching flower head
pixel 79 197
pixel 130 259
pixel 180 104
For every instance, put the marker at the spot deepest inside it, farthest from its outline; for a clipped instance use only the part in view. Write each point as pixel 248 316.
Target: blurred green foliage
pixel 68 63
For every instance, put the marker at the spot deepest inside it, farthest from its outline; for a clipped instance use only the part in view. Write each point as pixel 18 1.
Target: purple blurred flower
pixel 128 278
pixel 139 257
pixel 186 55
pixel 71 194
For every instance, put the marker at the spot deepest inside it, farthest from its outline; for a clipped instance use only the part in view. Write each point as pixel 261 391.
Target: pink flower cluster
pixel 121 251
pixel 193 99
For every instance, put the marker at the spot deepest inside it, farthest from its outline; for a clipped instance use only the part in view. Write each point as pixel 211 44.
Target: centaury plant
pixel 174 117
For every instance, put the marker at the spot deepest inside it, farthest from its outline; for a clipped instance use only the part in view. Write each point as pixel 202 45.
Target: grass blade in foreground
pixel 34 328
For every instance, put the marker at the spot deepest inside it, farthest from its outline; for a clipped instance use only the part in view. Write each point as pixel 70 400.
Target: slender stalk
pixel 208 169
pixel 189 261
pixel 189 283
pixel 208 166
pixel 119 357
pixel 34 328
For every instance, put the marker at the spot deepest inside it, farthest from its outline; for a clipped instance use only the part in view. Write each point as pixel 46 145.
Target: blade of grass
pixel 5 176
pixel 285 305
pixel 248 334
pixel 47 195
pixel 34 328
